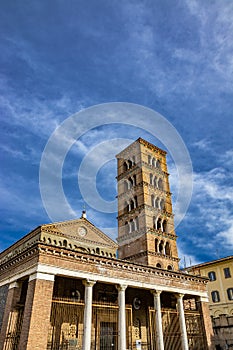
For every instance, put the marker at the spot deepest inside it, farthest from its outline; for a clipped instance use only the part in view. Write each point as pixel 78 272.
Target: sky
pixel 59 58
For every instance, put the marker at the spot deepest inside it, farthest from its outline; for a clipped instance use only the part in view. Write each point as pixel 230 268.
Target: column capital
pixel 121 287
pixel 89 283
pixel 14 285
pixel 156 293
pixel 179 296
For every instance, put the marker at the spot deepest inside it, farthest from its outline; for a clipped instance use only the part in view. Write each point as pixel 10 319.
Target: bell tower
pixel 145 220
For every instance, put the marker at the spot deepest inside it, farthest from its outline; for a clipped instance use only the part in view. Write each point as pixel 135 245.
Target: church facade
pixel 68 286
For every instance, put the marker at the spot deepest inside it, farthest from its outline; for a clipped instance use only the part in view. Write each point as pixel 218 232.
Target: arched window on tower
pixel 149 159
pixel 157 203
pixel 160 184
pixel 159 265
pixel 162 204
pixel 131 223
pixel 130 182
pixel 134 180
pixel 159 224
pixel 155 182
pixel 158 164
pixel 136 201
pixel 167 249
pixel 154 222
pixel 153 162
pixel 164 226
pixel 161 245
pixel 130 163
pixel 125 167
pixel 152 200
pixel 131 205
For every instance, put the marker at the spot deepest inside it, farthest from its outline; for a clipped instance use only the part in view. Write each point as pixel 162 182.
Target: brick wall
pixel 36 315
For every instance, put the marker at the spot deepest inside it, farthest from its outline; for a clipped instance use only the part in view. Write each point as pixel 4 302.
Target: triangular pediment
pixel 82 231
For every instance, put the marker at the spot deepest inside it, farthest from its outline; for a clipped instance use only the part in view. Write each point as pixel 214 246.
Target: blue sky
pixel 175 57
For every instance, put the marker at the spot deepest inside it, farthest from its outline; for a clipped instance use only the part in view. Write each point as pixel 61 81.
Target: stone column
pixel 183 331
pixel 37 310
pixel 13 295
pixel 158 321
pixel 121 317
pixel 87 314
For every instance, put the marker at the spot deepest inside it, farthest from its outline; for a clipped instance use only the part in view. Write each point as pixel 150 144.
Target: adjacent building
pixel 220 290
pixel 68 286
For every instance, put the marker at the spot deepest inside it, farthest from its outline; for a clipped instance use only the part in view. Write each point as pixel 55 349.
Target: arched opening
pixel 125 166
pixel 159 265
pixel 157 203
pixel 154 162
pixel 65 243
pixel 130 164
pixel 130 182
pixel 167 249
pixel 161 247
pixel 149 159
pixel 162 204
pixel 159 224
pixel 158 164
pixel 164 226
pixel 160 184
pixel 131 205
pixel 152 200
pixel 134 180
pixel 154 222
pixel 155 181
pixel 170 267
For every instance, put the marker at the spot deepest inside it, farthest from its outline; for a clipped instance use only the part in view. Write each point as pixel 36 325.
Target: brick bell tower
pixel 145 220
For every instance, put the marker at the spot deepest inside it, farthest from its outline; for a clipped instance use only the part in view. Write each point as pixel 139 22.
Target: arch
pixel 160 184
pixel 149 159
pixel 130 163
pixel 65 243
pixel 97 250
pixel 159 265
pixel 131 225
pixel 130 182
pixel 136 201
pixel 131 205
pixel 162 204
pixel 154 222
pixel 170 267
pixel 125 166
pixel 167 249
pixel 161 245
pixel 159 224
pixel 134 180
pixel 49 240
pixel 157 203
pixel 158 164
pixel 155 181
pixel 152 200
pixel 164 225
pixel 153 162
